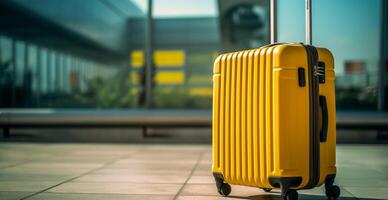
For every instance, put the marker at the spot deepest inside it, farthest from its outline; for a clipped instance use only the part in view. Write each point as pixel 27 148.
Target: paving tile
pixel 14 195
pixel 204 191
pixel 358 173
pixel 5 163
pixel 211 190
pixel 201 180
pixel 25 186
pixel 48 171
pixel 203 172
pixel 159 171
pixel 366 182
pixel 131 160
pixel 319 192
pixel 128 171
pixel 61 165
pixel 71 196
pixel 160 164
pixel 369 192
pixel 204 167
pixel 42 176
pixel 257 197
pixel 117 188
pixel 132 178
pixel 208 198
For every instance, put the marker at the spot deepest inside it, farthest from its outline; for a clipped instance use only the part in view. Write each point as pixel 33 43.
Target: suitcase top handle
pixel 273 22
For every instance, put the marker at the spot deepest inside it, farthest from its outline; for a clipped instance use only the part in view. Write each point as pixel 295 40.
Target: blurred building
pixel 91 54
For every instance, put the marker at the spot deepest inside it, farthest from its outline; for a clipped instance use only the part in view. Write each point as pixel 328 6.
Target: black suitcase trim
pixel 314 168
pixel 285 182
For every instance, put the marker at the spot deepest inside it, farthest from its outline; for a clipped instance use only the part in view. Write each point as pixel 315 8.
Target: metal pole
pixel 273 22
pixel 38 75
pixel 26 77
pixel 25 66
pixel 14 78
pixel 48 72
pixel 57 72
pixel 308 22
pixel 148 54
pixel 383 47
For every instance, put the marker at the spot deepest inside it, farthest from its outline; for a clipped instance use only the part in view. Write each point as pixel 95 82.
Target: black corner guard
pixel 329 180
pixel 285 182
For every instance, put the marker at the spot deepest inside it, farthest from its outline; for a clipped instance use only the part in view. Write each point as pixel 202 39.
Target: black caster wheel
pixel 291 195
pixel 333 192
pixel 225 189
pixel 267 189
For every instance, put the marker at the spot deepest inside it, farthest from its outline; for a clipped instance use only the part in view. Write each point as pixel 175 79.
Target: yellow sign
pixel 200 79
pixel 135 78
pixel 170 77
pixel 137 59
pixel 134 91
pixel 200 91
pixel 169 58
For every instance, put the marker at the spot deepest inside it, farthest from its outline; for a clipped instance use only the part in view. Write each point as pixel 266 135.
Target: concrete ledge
pixel 106 118
pixel 158 118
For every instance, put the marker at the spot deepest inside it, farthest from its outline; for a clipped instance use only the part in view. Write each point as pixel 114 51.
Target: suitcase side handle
pixel 325 118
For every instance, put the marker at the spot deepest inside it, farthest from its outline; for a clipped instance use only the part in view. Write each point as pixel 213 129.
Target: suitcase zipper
pixel 312 58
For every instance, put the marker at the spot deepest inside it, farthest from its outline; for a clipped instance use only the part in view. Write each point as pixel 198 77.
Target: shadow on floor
pixel 301 197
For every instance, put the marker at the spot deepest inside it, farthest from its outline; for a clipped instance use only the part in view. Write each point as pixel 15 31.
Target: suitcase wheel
pixel 290 195
pixel 267 189
pixel 225 189
pixel 333 192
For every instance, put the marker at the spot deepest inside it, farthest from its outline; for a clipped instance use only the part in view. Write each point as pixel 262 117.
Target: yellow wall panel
pixel 169 58
pixel 134 91
pixel 200 79
pixel 135 78
pixel 170 77
pixel 200 91
pixel 137 59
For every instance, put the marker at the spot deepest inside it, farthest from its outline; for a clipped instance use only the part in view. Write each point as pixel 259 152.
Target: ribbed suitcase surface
pixel 236 150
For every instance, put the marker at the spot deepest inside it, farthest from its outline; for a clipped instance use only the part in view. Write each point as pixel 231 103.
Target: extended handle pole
pixel 308 22
pixel 272 21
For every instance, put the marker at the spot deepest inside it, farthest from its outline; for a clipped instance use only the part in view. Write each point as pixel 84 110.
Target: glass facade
pixel 34 76
pixel 185 42
pixel 76 57
pixel 352 31
pixel 91 54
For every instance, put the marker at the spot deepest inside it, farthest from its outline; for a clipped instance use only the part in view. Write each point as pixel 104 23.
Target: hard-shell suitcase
pixel 274 120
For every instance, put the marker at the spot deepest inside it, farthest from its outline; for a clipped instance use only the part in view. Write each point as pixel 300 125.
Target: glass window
pixel 6 71
pixel 19 64
pixel 43 72
pixel 354 39
pixel 84 66
pixel 291 20
pixel 385 55
pixel 184 8
pixel 351 30
pixel 186 37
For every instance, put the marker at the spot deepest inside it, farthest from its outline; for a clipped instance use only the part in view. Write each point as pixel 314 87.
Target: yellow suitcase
pixel 274 120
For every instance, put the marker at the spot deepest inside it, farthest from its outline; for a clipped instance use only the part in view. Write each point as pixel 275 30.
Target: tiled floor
pixel 99 171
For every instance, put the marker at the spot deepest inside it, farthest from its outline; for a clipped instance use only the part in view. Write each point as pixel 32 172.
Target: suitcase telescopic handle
pixel 325 118
pixel 273 22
